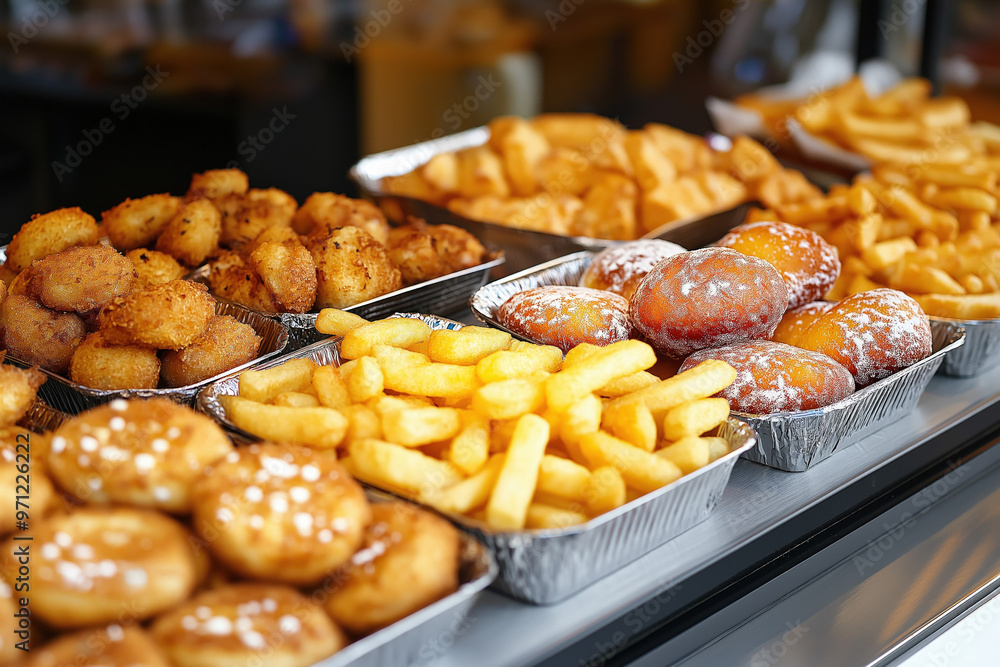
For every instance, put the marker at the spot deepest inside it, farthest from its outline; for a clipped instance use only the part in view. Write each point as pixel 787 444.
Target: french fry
pixel 628 384
pixel 885 253
pixel 394 332
pixel 415 427
pixel 545 517
pixel 466 346
pixel 507 507
pixel 401 469
pixel 965 307
pixel 633 423
pixel 318 427
pixel 365 380
pixel 471 447
pixel 694 418
pixel 963 198
pixel 641 470
pixel 336 322
pixel 611 362
pixel 918 279
pixel 508 399
pixel 471 493
pixel 330 388
pixel 717 448
pixel 580 418
pixel 438 380
pixel 296 399
pixel 519 361
pixel 262 386
pixel 704 380
pixel 362 423
pixel 562 477
pixel 605 491
pixel 688 454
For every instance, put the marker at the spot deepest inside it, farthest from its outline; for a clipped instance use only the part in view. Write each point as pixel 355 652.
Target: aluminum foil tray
pixel 42 417
pixel 545 566
pixel 980 352
pixel 791 441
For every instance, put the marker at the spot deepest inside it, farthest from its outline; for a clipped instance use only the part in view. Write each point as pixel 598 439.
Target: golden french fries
pixel 317 426
pixel 335 322
pixel 264 385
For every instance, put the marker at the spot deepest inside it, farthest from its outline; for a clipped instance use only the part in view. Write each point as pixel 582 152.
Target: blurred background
pixel 106 99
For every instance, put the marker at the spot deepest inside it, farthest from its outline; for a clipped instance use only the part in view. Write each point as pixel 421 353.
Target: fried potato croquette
pixel 416 254
pixel 137 222
pixel 234 624
pixel 154 267
pixel 324 212
pixel 100 365
pixel 225 343
pixel 276 234
pixel 232 278
pixel 82 280
pixel 49 233
pixel 109 646
pixel 18 387
pixel 459 249
pixel 36 335
pixel 409 559
pixel 41 493
pixel 167 317
pixel 288 272
pixel 351 267
pixel 215 183
pixel 245 216
pixel 193 233
pixel 21 283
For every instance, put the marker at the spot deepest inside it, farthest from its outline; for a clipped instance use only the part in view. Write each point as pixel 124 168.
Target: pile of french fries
pixel 474 423
pixel 580 174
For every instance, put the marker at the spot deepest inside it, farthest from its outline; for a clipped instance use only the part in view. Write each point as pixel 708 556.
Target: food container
pixel 791 441
pixel 71 397
pixel 544 566
pixel 980 352
pixel 42 417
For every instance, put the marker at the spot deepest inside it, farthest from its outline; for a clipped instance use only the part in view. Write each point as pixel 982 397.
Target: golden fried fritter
pixel 193 234
pixel 278 234
pixel 231 278
pixel 225 344
pixel 82 280
pixel 137 222
pixel 18 387
pixel 50 233
pixel 215 183
pixel 7 273
pixel 3 291
pixel 167 317
pixel 154 267
pixel 33 333
pixel 289 274
pixel 100 365
pixel 245 216
pixel 416 255
pixel 352 267
pixel 323 212
pixel 458 248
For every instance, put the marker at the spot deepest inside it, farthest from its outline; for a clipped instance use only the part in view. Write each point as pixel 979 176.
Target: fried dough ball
pixel 324 212
pixel 232 278
pixel 275 234
pixel 409 559
pixel 82 280
pixel 289 274
pixel 18 387
pixel 797 320
pixel 167 317
pixel 619 268
pixel 416 254
pixel 281 513
pixel 7 273
pixel 351 267
pixel 154 267
pixel 41 493
pixel 459 249
pixel 215 183
pixel 49 233
pixel 21 284
pixel 233 625
pixel 143 453
pixel 226 343
pixel 566 315
pixel 87 566
pixel 193 233
pixel 136 223
pixel 100 365
pixel 245 216
pixel 39 336
pixel 109 646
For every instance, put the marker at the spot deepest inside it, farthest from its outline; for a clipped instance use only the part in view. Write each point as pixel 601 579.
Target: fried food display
pixel 101 365
pixel 225 343
pixel 154 267
pixel 168 316
pixel 216 183
pixel 620 268
pixel 48 234
pixel 18 388
pixel 39 336
pixel 323 212
pixel 136 223
pixel 82 280
pixel 245 216
pixel 193 233
pixel 351 267
pixel 288 272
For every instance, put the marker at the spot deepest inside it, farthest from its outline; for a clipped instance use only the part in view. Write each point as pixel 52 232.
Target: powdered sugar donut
pixel 873 334
pixel 708 298
pixel 619 268
pixel 807 263
pixel 565 316
pixel 797 320
pixel 775 377
pixel 108 646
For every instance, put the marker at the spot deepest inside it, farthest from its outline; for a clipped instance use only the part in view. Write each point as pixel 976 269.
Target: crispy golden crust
pixel 245 216
pixel 7 273
pixel 110 646
pixel 167 317
pixel 154 267
pixel 17 391
pixel 352 267
pixel 21 284
pixel 82 280
pixel 3 291
pixel 416 254
pixel 324 212
pixel 215 183
pixel 277 234
pixel 137 222
pixel 50 233
pixel 457 247
pixel 193 234
pixel 101 365
pixel 224 344
pixel 289 274
pixel 232 278
pixel 33 333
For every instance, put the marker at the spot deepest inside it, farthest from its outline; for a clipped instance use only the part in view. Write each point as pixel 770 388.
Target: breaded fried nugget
pixel 18 387
pixel 33 333
pixel 82 280
pixel 215 183
pixel 7 273
pixel 167 317
pixel 21 284
pixel 352 267
pixel 233 279
pixel 276 234
pixel 323 212
pixel 154 267
pixel 137 222
pixel 3 291
pixel 50 233
pixel 245 216
pixel 193 234
pixel 100 365
pixel 225 344
pixel 415 253
pixel 289 274
pixel 458 248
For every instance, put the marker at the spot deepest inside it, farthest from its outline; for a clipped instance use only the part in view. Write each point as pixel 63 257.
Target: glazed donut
pixel 167 317
pixel 807 263
pixel 226 343
pixel 109 646
pixel 145 453
pixel 100 365
pixel 247 624
pixel 409 559
pixel 620 268
pixel 775 377
pixel 566 315
pixel 102 565
pixel 41 493
pixel 280 512
pixel 797 320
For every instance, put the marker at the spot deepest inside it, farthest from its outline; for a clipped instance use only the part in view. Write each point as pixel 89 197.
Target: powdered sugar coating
pixel 708 298
pixel 775 377
pixel 873 334
pixel 566 315
pixel 807 263
pixel 619 268
pixel 797 320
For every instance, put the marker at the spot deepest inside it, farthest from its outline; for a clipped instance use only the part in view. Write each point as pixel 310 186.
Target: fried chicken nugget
pixel 3 291
pixel 167 317
pixel 225 344
pixel 137 222
pixel 33 333
pixel 276 234
pixel 193 233
pixel 415 253
pixel 18 387
pixel 49 233
pixel 7 273
pixel 233 279
pixel 458 248
pixel 215 183
pixel 323 212
pixel 82 280
pixel 154 267
pixel 289 274
pixel 100 365
pixel 351 267
pixel 245 216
